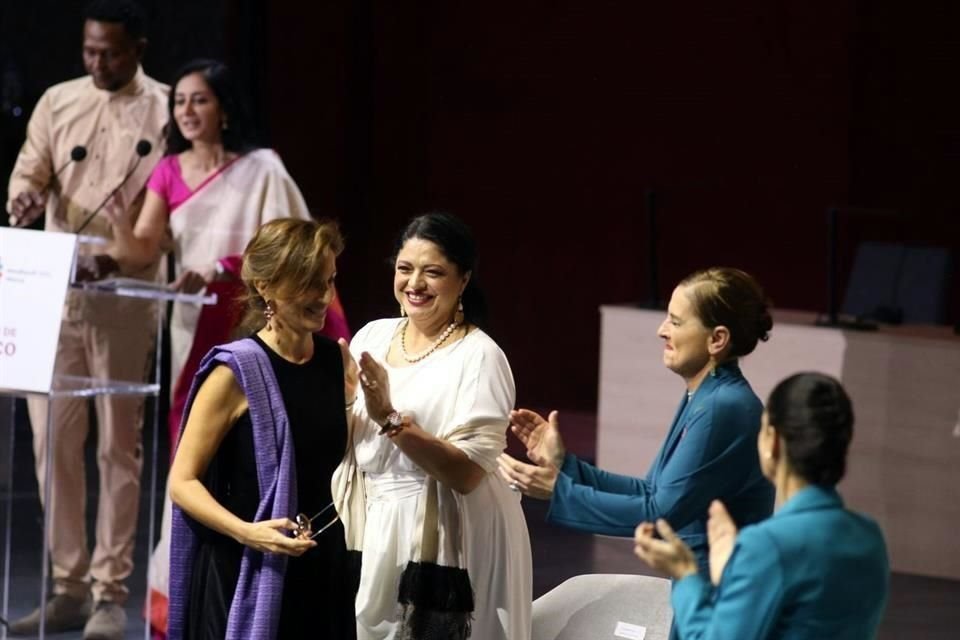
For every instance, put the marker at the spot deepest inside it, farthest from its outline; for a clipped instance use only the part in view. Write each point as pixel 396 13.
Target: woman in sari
pixel 208 195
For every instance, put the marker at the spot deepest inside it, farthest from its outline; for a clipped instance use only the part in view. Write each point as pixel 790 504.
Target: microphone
pixel 77 154
pixel 143 149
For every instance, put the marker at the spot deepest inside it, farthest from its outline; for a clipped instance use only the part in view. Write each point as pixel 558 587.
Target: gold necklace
pixel 433 347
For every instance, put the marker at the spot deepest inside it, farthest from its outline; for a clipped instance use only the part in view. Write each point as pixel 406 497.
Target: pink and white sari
pixel 210 230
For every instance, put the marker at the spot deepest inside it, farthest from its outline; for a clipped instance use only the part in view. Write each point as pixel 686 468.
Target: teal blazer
pixel 710 453
pixel 812 571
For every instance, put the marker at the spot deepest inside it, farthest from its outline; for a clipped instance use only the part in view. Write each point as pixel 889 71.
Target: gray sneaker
pixel 108 622
pixel 63 613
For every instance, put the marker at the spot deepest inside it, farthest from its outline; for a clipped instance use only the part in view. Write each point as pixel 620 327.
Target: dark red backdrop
pixel 543 124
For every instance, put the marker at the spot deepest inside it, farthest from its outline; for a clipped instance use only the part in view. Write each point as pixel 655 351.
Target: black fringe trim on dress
pixel 436 601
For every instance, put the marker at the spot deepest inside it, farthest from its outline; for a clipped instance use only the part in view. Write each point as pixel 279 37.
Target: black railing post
pixel 832 267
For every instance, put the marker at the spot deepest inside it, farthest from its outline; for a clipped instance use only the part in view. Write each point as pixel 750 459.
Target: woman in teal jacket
pixel 814 570
pixel 714 317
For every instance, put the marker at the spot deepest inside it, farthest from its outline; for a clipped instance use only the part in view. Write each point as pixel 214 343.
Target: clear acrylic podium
pixel 64 386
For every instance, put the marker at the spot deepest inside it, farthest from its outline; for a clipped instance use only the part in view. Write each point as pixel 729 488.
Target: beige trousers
pixel 105 353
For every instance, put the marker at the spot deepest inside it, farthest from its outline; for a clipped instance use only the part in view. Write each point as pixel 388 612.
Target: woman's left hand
pixel 669 555
pixel 534 480
pixel 376 388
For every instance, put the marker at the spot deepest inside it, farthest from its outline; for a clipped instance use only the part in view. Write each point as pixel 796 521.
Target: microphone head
pixel 143 148
pixel 78 153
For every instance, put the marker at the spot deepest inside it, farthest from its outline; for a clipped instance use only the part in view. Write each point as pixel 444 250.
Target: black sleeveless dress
pixel 318 594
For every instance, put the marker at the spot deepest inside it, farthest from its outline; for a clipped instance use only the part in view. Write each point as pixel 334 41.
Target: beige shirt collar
pixel 133 88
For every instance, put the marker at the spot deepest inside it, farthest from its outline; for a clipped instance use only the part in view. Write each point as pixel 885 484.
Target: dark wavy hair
pixel 239 135
pixel 125 12
pixel 455 241
pixel 814 416
pixel 734 299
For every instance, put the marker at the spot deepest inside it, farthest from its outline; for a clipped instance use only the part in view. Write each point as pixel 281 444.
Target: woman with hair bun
pixel 814 570
pixel 715 317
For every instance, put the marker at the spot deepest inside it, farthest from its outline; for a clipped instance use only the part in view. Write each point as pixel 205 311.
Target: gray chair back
pixel 604 607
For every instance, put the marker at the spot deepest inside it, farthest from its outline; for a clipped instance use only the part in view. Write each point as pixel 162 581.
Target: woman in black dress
pixel 246 560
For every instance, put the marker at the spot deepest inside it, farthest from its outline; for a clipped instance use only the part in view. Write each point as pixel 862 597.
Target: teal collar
pixel 723 372
pixel 812 497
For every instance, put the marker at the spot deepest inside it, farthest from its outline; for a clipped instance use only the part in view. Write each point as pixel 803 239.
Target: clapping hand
pixel 376 388
pixel 721 534
pixel 669 555
pixel 540 437
pixel 544 448
pixel 536 481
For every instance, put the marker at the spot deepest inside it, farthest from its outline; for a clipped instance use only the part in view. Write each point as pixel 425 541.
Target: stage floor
pixel 919 607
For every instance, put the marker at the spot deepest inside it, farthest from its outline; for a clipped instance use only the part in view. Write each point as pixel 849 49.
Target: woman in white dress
pixel 445 548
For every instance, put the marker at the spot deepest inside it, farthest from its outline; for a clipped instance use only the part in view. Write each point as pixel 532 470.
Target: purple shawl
pixel 255 612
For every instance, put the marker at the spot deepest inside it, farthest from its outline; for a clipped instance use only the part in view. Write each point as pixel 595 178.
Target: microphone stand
pixel 109 195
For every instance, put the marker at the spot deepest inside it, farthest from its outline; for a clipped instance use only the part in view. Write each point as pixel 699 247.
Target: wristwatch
pixel 392 421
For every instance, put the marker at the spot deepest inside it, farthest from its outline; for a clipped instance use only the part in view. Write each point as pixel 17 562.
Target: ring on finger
pixel 514 486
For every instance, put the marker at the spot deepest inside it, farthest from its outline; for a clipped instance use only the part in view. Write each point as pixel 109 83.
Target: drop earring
pixel 458 316
pixel 403 312
pixel 268 313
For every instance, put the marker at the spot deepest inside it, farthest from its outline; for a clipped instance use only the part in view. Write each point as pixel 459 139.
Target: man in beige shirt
pixel 105 113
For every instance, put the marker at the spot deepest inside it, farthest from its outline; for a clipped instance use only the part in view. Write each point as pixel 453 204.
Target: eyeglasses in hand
pixel 304 529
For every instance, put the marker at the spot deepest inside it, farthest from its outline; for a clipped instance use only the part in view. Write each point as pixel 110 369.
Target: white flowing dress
pixel 468 382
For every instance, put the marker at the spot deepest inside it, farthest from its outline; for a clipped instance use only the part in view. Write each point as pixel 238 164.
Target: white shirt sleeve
pixel 487 394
